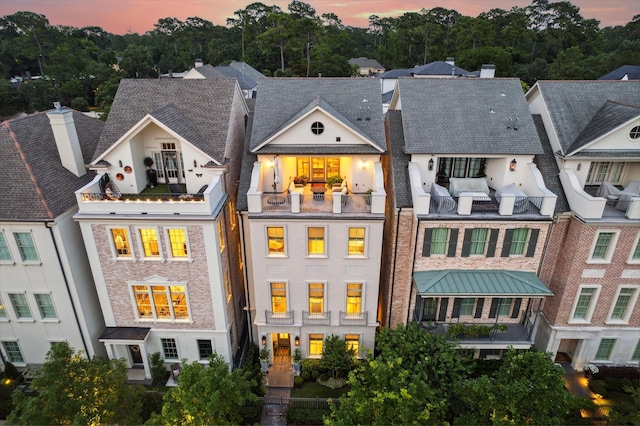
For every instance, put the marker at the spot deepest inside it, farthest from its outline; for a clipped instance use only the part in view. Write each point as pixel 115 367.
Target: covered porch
pixel 129 343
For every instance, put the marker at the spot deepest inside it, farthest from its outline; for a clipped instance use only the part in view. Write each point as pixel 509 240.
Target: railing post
pixel 507 201
pixel 337 202
pixel 295 202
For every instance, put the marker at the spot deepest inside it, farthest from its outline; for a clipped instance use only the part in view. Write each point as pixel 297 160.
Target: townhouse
pixel 469 216
pixel 159 221
pixel 592 261
pixel 312 203
pixel 47 293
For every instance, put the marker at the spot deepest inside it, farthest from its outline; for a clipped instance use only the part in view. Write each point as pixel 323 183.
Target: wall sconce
pixel 120 163
pixel 297 340
pixel 512 165
pixel 579 166
pixel 195 163
pixel 264 340
pixel 430 164
pixel 363 165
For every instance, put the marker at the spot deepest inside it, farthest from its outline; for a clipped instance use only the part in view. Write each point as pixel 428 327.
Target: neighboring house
pixel 47 293
pixel 625 72
pixel 313 249
pixel 164 244
pixel 592 261
pixel 366 66
pixel 469 215
pixel 246 75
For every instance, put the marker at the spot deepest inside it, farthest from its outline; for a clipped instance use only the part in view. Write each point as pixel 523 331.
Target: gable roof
pixel 466 116
pixel 247 70
pixel 398 72
pixel 186 106
pixel 631 71
pixel 281 101
pixel 245 82
pixel 572 105
pixel 438 68
pixel 35 185
pixel 364 62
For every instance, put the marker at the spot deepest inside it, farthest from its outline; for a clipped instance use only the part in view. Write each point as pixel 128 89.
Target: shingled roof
pixel 399 160
pixel 35 186
pixel 438 68
pixel 631 71
pixel 466 116
pixel 281 100
pixel 198 110
pixel 573 105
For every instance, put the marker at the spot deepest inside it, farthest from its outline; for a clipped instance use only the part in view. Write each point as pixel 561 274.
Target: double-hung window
pixel 584 304
pixel 3 311
pixel 5 253
pixel 478 241
pixel 149 240
pixel 635 254
pixel 623 306
pixel 26 246
pixel 603 245
pixel 315 237
pixel 221 239
pixel 636 353
pixel 279 298
pixel 356 241
pixel 316 298
pixel 12 349
pixel 121 242
pixel 20 305
pixel 45 306
pixel 315 344
pixel 520 242
pixel 440 242
pixel 353 343
pixel 205 349
pixel 169 348
pixel 354 298
pixel 275 240
pixel 604 349
pixel 178 242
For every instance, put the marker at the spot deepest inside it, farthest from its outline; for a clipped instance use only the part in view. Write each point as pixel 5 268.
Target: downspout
pixel 66 283
pixel 246 277
pixel 393 270
pixel 413 263
pixel 535 320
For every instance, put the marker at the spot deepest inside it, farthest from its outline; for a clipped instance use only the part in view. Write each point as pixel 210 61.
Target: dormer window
pixel 317 128
pixel 634 134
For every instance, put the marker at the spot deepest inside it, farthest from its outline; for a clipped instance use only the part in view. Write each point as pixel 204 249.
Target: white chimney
pixel 450 61
pixel 488 71
pixel 199 62
pixel 64 132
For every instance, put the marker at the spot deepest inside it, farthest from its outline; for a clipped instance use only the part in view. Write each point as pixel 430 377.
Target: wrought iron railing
pixel 321 318
pixel 353 319
pixel 279 318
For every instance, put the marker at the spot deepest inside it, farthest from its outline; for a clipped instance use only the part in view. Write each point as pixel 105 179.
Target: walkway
pixel 577 384
pixel 279 383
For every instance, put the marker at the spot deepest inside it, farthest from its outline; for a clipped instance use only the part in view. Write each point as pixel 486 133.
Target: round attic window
pixel 635 133
pixel 317 128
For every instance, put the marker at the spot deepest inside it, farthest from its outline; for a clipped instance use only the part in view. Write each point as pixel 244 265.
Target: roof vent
pixel 57 106
pixel 364 110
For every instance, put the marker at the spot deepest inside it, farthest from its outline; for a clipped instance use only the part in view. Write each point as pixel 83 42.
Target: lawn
pixel 316 390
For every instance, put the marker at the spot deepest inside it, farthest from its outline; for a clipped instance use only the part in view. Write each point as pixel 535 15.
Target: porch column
pixel 145 360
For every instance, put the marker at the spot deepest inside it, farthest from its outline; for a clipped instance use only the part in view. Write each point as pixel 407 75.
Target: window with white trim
pixel 610 171
pixel 315 239
pixel 635 254
pixel 160 301
pixel 439 241
pixel 519 241
pixel 603 246
pixel 315 344
pixel 26 246
pixel 149 241
pixel 353 343
pixel 354 298
pixel 12 349
pixel 169 348
pixel 227 285
pixel 3 310
pixel 623 305
pixel 205 349
pixel 221 239
pixel 356 241
pixel 478 241
pixel 636 353
pixel 121 242
pixel 279 298
pixel 5 253
pixel 45 306
pixel 20 305
pixel 316 298
pixel 178 246
pixel 604 349
pixel 275 240
pixel 584 303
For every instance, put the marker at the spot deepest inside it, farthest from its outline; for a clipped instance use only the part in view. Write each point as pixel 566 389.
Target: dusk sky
pixel 139 16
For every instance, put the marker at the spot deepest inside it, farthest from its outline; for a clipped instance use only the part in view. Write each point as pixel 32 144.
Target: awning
pixel 133 334
pixel 455 282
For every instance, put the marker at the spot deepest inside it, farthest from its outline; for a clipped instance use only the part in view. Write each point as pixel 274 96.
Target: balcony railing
pixel 324 203
pixel 322 318
pixel 353 319
pixel 171 197
pixel 514 332
pixel 279 318
pixel 516 205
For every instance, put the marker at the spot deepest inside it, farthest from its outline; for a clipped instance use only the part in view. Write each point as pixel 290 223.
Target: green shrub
pixel 598 386
pixel 617 384
pixel 80 104
pixel 251 415
pixel 324 377
pixel 333 180
pixel 305 375
pixel 298 381
pixel 306 416
pixel 158 370
pixel 631 373
pixel 315 374
pixel 310 364
pixel 151 403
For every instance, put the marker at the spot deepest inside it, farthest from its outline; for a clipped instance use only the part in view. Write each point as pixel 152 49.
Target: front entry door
pixel 136 354
pixel 171 166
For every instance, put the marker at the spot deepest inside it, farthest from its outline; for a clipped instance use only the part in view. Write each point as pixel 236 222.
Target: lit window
pixel 316 298
pixel 149 238
pixel 45 306
pixel 315 344
pixel 603 246
pixel 221 239
pixel 3 311
pixel 169 348
pixel 466 306
pixel 354 298
pixel 178 242
pixel 227 286
pixel 121 242
pixel 275 237
pixel 205 349
pixel 478 241
pixel 439 240
pixel 333 167
pixel 5 254
pixel 13 352
pixel 26 246
pixel 356 241
pixel 583 308
pixel 232 214
pixel 604 349
pixel 161 302
pixel 518 241
pixel 20 305
pixel 278 298
pixel 353 343
pixel 622 308
pixel 316 240
pixel 636 353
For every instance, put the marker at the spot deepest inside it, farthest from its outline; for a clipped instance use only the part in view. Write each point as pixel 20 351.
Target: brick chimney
pixel 66 136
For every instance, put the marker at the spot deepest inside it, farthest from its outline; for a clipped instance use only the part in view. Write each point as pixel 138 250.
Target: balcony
pixel 305 201
pixel 353 319
pixel 93 200
pixel 509 334
pixel 322 318
pixel 279 318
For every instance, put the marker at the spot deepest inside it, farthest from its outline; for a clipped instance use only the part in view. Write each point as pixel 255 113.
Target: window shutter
pixel 533 239
pixel 479 306
pixel 466 242
pixel 506 246
pixel 456 307
pixel 453 242
pixel 494 307
pixel 444 304
pixel 493 240
pixel 516 307
pixel 426 247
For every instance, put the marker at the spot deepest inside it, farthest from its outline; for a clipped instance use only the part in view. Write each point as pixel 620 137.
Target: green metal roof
pixel 454 282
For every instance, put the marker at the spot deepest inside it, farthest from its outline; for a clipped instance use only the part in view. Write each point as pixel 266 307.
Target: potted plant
pixel 300 181
pixel 295 362
pixel 367 196
pixel 333 180
pixel 152 175
pixel 264 359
